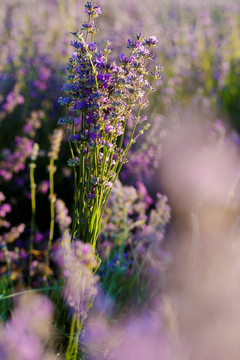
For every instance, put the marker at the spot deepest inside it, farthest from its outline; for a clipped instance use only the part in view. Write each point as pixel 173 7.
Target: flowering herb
pixel 101 96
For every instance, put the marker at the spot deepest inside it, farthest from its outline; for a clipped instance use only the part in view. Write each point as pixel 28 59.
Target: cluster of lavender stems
pixel 101 97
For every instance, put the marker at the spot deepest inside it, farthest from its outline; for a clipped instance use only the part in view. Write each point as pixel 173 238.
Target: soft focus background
pixel 170 236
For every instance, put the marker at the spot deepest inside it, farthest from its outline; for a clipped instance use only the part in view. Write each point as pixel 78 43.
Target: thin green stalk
pixel 70 343
pixel 62 11
pixel 9 267
pixel 52 199
pixel 33 206
pixel 80 192
pixel 105 201
pixel 71 13
pixel 2 297
pixel 75 184
pixel 79 327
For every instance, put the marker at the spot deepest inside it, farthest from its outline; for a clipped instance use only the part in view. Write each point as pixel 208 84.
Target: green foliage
pixel 229 95
pixel 5 304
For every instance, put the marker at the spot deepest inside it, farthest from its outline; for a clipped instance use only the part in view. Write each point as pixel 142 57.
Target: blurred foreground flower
pixel 141 337
pixel 24 335
pixel 201 175
pixel 78 262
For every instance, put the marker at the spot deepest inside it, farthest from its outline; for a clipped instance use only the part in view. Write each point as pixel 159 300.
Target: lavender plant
pixel 101 97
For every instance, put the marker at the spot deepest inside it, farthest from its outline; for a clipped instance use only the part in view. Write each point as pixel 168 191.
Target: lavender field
pixel 119 180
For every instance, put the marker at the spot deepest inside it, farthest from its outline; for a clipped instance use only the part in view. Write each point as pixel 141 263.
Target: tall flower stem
pixel 53 155
pixel 71 338
pixel 52 199
pixel 32 166
pixel 33 206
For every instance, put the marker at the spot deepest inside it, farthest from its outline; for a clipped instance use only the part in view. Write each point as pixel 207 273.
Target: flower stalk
pixel 32 166
pixel 53 155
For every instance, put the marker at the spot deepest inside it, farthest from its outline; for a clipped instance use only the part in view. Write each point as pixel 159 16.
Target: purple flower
pixel 75 44
pixel 20 99
pixel 108 128
pixel 4 209
pixel 130 43
pixel 74 55
pixel 132 59
pixel 152 41
pixel 93 135
pixel 90 27
pixel 92 46
pixel 66 100
pixel 76 137
pixel 38 238
pixel 80 105
pixel 2 197
pixel 123 57
pixel 100 61
pixel 44 186
pixel 44 73
pixel 92 10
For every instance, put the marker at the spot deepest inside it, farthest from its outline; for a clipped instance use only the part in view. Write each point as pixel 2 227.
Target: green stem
pixel 75 183
pixel 33 206
pixel 69 349
pixel 52 213
pixel 79 326
pixel 9 267
pixel 105 201
pixel 2 297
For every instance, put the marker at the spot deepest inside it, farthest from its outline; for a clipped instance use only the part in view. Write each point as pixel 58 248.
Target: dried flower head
pixel 56 139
